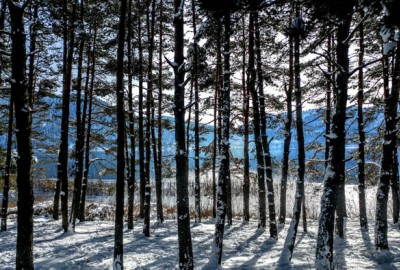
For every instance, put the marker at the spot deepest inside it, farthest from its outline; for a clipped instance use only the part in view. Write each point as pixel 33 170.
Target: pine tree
pixel 120 181
pixel 182 183
pixel 23 119
pixel 361 132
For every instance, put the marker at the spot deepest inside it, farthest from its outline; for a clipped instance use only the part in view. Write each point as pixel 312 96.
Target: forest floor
pixel 245 246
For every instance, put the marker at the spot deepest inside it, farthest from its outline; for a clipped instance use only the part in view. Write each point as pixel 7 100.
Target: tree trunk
pixel 288 136
pixel 3 9
pixel 300 133
pixel 88 99
pixel 120 181
pixel 246 109
pixel 182 183
pixel 79 143
pixel 62 172
pixel 131 178
pixel 257 132
pixel 141 125
pixel 7 170
pixel 264 138
pixel 197 199
pixel 394 179
pixel 216 119
pixel 361 132
pixel 389 147
pixel 32 49
pixel 149 104
pixel 224 169
pixel 334 174
pixel 160 215
pixel 23 117
pixel 328 98
pixel 395 186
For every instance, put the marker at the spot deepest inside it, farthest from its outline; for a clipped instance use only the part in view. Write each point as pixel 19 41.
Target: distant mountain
pixel 47 134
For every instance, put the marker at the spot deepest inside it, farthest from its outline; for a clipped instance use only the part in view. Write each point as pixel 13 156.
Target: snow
pixel 244 246
pixel 386 33
pixel 389 47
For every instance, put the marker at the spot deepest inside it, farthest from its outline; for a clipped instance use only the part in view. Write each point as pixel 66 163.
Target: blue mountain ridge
pixel 104 127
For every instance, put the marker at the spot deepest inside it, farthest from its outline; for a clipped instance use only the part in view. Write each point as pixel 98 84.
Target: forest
pixel 272 125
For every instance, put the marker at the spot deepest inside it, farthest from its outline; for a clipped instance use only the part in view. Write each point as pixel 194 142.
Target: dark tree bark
pixel 197 199
pixel 119 196
pixel 62 170
pixel 224 169
pixel 3 9
pixel 150 18
pixel 394 179
pixel 216 119
pixel 182 183
pixel 23 118
pixel 333 192
pixel 7 169
pixel 395 186
pixel 80 136
pixel 131 167
pixel 361 132
pixel 288 136
pixel 246 109
pixel 299 24
pixel 256 122
pixel 88 105
pixel 142 171
pixel 160 215
pixel 264 138
pixel 389 147
pixel 328 112
pixel 6 184
pixel 32 49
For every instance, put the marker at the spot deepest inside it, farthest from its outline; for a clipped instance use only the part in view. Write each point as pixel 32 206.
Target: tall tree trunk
pixel 388 152
pixel 216 119
pixel 62 172
pixel 394 179
pixel 119 196
pixel 23 117
pixel 182 183
pixel 150 18
pixel 32 49
pixel 131 179
pixel 395 186
pixel 141 124
pixel 224 169
pixel 288 135
pixel 197 197
pixel 246 109
pixel 7 170
pixel 256 122
pixel 300 133
pixel 88 102
pixel 264 138
pixel 328 113
pixel 3 9
pixel 361 132
pixel 333 191
pixel 160 215
pixel 79 143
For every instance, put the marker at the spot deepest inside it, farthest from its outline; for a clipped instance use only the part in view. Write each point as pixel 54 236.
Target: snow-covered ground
pixel 245 247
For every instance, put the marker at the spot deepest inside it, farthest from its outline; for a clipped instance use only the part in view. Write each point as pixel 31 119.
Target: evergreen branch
pixel 364 65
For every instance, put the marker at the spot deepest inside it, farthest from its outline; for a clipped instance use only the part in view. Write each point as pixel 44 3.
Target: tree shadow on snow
pixel 265 246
